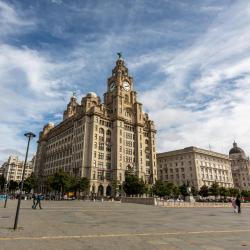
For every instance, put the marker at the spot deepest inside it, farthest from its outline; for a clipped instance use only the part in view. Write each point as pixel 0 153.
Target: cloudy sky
pixel 190 61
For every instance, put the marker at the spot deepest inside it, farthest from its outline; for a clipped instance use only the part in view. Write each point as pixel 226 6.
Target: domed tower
pixel 236 152
pixel 240 167
pixel 71 107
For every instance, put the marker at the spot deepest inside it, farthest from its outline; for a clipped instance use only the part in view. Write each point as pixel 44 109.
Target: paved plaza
pixel 110 225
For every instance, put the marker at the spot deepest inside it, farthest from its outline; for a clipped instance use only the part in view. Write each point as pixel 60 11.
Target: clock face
pixel 126 86
pixel 112 86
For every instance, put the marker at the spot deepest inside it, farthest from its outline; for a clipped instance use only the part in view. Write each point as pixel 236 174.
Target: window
pixel 100 164
pixel 100 156
pixel 126 98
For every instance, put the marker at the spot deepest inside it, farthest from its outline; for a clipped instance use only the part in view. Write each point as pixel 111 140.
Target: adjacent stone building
pixel 13 168
pixel 240 167
pixel 195 166
pixel 101 141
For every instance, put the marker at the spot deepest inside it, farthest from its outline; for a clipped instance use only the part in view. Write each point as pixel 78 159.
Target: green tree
pixel 194 191
pixel 170 189
pixel 245 193
pixel 176 191
pixel 13 186
pixel 61 182
pixel 233 192
pixel 82 184
pixel 133 185
pixel 223 192
pixel 30 183
pixel 204 191
pixel 2 182
pixel 214 189
pixel 160 188
pixel 183 190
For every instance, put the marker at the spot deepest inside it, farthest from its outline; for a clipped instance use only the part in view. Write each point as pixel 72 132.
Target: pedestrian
pixel 237 202
pixel 234 205
pixel 38 201
pixel 34 197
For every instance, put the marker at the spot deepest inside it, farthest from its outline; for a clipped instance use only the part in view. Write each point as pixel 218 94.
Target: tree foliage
pixel 160 189
pixel 81 184
pixel 133 185
pixel 183 190
pixel 214 189
pixel 204 191
pixel 63 182
pixel 13 185
pixel 233 192
pixel 2 182
pixel 30 183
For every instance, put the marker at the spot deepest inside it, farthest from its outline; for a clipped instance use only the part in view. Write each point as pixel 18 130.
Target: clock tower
pixel 133 140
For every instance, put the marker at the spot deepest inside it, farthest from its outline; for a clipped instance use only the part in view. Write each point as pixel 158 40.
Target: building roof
pixel 192 149
pixel 236 150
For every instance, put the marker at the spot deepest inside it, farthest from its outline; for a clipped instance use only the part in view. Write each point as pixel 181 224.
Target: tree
pixel 204 191
pixel 214 189
pixel 133 185
pixel 223 192
pixel 30 183
pixel 13 185
pixel 82 184
pixel 233 192
pixel 170 189
pixel 175 191
pixel 245 193
pixel 160 188
pixel 61 181
pixel 2 182
pixel 194 191
pixel 183 190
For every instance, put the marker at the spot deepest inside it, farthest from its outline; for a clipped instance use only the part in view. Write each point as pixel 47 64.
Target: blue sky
pixel 189 59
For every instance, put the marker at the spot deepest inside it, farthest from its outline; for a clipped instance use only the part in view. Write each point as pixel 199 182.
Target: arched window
pixel 146 141
pixel 108 191
pixel 126 98
pixel 101 131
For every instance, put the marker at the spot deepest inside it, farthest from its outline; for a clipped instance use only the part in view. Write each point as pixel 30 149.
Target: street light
pixel 30 135
pixel 6 187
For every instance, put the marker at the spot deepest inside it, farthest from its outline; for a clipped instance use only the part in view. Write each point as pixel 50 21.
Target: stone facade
pixel 240 167
pixel 101 141
pixel 13 168
pixel 195 166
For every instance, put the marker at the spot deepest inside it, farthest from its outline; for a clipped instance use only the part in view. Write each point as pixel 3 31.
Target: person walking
pixel 34 197
pixel 234 205
pixel 38 201
pixel 237 202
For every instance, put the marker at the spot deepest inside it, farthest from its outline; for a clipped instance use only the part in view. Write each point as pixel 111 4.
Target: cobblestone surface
pixel 88 225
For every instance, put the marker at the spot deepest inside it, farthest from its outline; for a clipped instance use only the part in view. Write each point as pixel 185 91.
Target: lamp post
pixel 29 135
pixel 6 188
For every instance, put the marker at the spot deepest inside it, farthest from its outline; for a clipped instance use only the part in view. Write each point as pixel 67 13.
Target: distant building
pixel 101 140
pixel 195 166
pixel 240 167
pixel 1 171
pixel 13 168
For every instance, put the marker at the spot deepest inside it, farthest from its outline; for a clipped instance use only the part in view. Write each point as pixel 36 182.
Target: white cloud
pixel 213 76
pixel 11 22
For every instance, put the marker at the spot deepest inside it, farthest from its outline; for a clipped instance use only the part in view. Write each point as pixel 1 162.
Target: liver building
pixel 101 141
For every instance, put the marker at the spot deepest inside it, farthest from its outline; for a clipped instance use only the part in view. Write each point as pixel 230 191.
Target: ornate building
pixel 101 141
pixel 240 167
pixel 13 168
pixel 195 166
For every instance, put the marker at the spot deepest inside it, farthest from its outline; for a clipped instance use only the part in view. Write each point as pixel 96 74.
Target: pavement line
pixel 85 210
pixel 58 237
